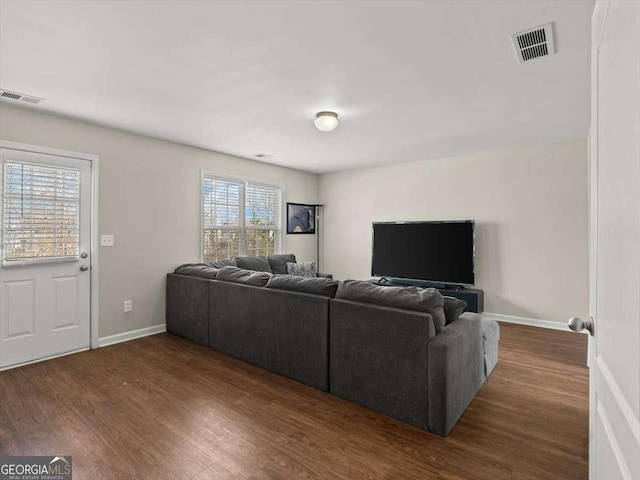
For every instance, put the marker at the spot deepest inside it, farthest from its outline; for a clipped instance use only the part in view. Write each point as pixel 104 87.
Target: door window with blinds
pixel 240 218
pixel 40 213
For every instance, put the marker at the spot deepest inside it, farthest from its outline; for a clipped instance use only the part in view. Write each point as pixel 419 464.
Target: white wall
pixel 150 201
pixel 531 211
pixel 530 205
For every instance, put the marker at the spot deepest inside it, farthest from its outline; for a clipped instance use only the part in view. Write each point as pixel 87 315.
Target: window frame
pixel 37 260
pixel 244 182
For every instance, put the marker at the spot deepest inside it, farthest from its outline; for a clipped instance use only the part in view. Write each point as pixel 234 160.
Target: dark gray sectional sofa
pixel 405 359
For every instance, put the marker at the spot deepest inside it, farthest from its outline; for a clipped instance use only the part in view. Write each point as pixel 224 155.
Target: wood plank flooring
pixel 164 408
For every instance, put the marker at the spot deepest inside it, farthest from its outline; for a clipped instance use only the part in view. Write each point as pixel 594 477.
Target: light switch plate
pixel 106 240
pixel 128 306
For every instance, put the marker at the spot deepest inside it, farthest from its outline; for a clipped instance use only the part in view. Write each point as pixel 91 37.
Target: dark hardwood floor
pixel 164 408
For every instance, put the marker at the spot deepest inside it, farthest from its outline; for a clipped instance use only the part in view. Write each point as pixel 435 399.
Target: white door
pixel 45 279
pixel 614 434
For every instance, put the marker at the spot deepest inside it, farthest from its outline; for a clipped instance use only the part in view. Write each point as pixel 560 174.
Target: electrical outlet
pixel 128 305
pixel 106 240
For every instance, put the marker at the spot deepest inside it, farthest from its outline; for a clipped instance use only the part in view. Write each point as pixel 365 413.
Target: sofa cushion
pixel 427 300
pixel 302 269
pixel 278 263
pixel 223 262
pixel 238 275
pixel 257 264
pixel 317 286
pixel 202 270
pixel 453 308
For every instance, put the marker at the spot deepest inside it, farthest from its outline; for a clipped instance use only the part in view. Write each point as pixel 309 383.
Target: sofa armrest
pixel 456 373
pixel 324 275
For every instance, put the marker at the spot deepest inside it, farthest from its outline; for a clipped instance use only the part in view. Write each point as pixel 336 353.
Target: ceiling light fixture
pixel 326 121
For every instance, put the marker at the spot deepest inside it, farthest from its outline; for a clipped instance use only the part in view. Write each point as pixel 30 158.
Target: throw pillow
pixel 315 286
pixel 427 300
pixel 248 277
pixel 453 308
pixel 257 264
pixel 302 269
pixel 278 263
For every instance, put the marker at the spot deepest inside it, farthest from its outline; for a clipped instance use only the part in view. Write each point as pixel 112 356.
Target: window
pixel 40 213
pixel 240 217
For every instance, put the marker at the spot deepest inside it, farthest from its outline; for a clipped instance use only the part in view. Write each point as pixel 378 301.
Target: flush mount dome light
pixel 326 121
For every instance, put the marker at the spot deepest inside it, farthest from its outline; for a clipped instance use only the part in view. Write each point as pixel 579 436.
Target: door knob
pixel 577 324
pixel 84 268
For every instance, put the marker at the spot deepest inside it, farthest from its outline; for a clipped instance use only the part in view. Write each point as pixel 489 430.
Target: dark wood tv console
pixel 473 296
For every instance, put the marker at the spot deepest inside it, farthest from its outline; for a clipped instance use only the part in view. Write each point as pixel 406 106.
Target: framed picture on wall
pixel 301 218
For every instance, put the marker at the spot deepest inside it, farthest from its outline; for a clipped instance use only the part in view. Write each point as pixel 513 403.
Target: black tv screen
pixel 429 251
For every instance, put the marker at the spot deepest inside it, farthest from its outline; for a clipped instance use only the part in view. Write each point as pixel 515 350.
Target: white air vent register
pixel 20 97
pixel 534 43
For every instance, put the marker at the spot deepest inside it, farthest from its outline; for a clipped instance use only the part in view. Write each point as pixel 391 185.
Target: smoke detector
pixel 21 97
pixel 534 43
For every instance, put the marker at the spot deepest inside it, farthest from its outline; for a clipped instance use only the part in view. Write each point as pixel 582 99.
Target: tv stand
pixel 473 296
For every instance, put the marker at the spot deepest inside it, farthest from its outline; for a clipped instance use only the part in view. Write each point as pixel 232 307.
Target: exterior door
pixel 45 280
pixel 615 270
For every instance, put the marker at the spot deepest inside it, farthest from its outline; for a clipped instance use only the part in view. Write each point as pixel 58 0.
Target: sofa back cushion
pixel 453 308
pixel 257 264
pixel 223 262
pixel 202 270
pixel 317 286
pixel 278 263
pixel 238 275
pixel 427 300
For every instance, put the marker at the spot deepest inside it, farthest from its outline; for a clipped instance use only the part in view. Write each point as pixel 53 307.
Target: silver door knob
pixel 577 325
pixel 84 268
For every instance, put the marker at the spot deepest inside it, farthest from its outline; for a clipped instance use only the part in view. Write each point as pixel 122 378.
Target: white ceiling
pixel 410 80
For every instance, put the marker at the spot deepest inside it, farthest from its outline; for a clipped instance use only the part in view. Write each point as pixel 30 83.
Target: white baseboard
pixel 532 322
pixel 126 336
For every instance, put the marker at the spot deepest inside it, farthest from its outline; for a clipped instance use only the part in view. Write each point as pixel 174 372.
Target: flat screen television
pixel 439 252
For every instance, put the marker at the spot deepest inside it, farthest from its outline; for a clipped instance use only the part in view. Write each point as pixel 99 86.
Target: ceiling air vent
pixel 20 97
pixel 534 43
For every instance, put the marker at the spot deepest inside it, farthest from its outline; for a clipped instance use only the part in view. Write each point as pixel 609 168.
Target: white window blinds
pixel 40 213
pixel 240 218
